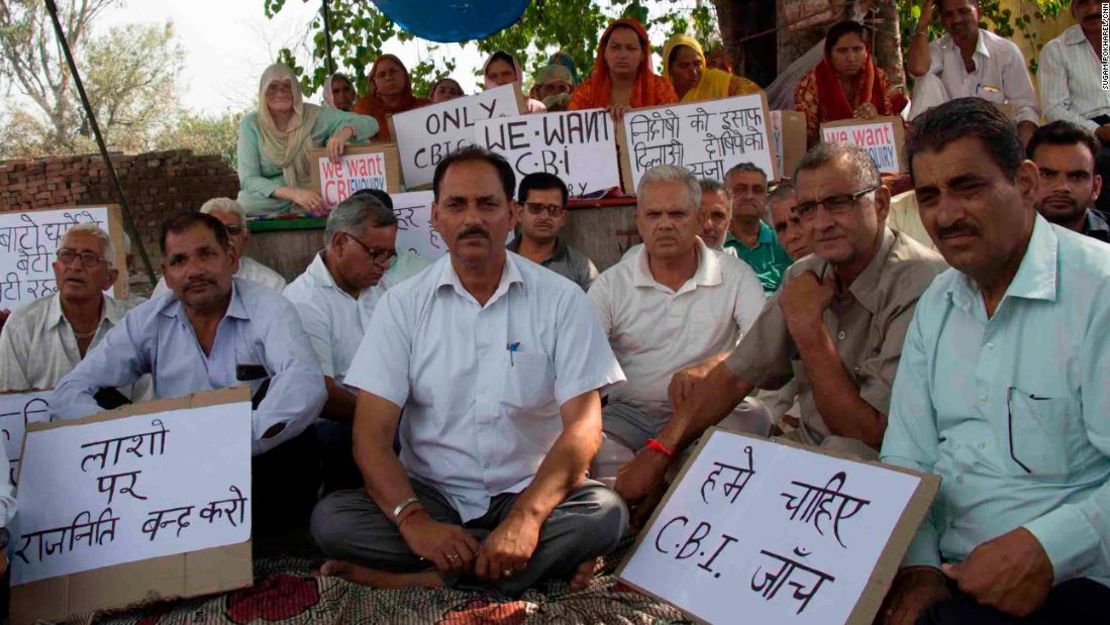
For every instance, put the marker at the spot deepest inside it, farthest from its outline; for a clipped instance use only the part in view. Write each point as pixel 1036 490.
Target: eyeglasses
pixel 88 259
pixel 233 229
pixel 835 205
pixel 536 208
pixel 378 256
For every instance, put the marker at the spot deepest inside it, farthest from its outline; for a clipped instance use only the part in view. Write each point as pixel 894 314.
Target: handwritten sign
pixel 29 241
pixel 415 232
pixel 16 411
pixel 363 167
pixel 778 533
pixel 577 146
pixel 882 137
pixel 707 138
pixel 106 491
pixel 427 134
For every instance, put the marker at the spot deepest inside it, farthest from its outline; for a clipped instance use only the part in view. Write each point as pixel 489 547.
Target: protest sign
pixel 577 146
pixel 361 167
pixel 149 501
pixel 16 411
pixel 882 137
pixel 29 242
pixel 789 129
pixel 707 138
pixel 778 533
pixel 427 134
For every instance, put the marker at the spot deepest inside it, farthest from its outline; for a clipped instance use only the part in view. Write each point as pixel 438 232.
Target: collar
pixel 766 236
pixel 981 43
pixel 1035 277
pixel 510 275
pixel 708 272
pixel 108 310
pixel 236 308
pixel 1095 222
pixel 559 254
pixel 318 272
pixel 865 288
pixel 1074 36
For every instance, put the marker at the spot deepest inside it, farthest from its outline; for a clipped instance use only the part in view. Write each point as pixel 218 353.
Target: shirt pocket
pixel 529 382
pixel 1041 429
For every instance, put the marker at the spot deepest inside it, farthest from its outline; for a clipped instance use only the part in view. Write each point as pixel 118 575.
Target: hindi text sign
pixel 708 138
pixel 778 533
pixel 882 137
pixel 16 411
pixel 360 167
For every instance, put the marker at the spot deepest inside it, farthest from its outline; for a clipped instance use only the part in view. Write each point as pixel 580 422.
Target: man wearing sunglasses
pixel 335 298
pixel 542 213
pixel 836 325
pixel 1002 391
pixel 231 214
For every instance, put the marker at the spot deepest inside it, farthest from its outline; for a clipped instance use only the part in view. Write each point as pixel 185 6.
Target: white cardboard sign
pixel 96 494
pixel 777 533
pixel 16 411
pixel 577 146
pixel 415 232
pixel 882 138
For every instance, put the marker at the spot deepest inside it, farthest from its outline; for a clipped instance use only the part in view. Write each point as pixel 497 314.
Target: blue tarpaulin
pixel 453 20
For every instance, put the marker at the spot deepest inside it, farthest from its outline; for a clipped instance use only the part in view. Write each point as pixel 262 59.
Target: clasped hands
pixel 454 551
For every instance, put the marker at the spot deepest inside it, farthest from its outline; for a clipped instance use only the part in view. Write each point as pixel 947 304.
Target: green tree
pixel 204 134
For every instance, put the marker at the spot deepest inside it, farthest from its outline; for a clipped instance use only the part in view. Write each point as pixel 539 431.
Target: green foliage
pixel 203 134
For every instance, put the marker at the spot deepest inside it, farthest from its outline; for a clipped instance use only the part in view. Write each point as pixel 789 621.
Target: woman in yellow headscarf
pixel 684 66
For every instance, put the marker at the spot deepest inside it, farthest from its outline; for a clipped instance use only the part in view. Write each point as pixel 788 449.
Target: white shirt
pixel 334 320
pixel 635 249
pixel 38 346
pixel 481 386
pixel 656 332
pixel 249 269
pixel 1000 73
pixel 1068 74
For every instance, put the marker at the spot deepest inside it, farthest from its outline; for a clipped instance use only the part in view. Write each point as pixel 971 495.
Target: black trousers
pixel 284 483
pixel 1074 602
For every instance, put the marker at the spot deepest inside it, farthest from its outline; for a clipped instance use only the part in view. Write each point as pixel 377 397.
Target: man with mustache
pixel 749 236
pixel 542 213
pixel 969 61
pixel 836 325
pixel 1002 392
pixel 213 331
pixel 45 339
pixel 1065 155
pixel 499 365
pixel 335 298
pixel 788 227
pixel 671 311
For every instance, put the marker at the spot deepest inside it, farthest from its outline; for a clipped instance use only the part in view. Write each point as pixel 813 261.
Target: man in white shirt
pixel 45 339
pixel 671 312
pixel 231 214
pixel 335 298
pixel 499 365
pixel 969 62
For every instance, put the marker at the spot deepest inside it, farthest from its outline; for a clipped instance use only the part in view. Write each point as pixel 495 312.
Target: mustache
pixel 957 229
pixel 1061 197
pixel 198 281
pixel 474 231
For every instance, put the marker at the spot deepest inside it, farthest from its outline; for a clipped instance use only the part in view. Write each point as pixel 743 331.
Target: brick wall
pixel 157 185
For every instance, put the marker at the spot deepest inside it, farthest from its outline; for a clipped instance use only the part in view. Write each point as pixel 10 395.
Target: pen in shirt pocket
pixel 512 347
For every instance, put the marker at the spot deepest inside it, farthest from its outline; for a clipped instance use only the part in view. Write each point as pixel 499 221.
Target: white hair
pixel 224 204
pixel 93 230
pixel 672 173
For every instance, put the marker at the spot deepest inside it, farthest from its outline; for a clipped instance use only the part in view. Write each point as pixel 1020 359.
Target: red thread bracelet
pixel 659 447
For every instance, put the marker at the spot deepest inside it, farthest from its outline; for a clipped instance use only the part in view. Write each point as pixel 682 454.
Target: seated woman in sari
pixel 274 170
pixel 845 84
pixel 622 78
pixel 685 66
pixel 390 93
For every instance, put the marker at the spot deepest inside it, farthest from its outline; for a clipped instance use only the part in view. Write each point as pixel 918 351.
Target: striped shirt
pixel 1069 79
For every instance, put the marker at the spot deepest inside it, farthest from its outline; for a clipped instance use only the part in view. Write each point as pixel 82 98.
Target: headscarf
pixel 288 148
pixel 533 106
pixel 833 103
pixel 713 84
pixel 372 104
pixel 562 57
pixel 329 99
pixel 555 72
pixel 443 79
pixel 648 90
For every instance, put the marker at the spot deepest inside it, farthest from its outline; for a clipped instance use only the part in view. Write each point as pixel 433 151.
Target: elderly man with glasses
pixel 542 213
pixel 44 340
pixel 836 325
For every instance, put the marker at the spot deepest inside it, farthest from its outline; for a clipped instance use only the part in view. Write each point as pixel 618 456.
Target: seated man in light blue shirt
pixel 214 331
pixel 1002 391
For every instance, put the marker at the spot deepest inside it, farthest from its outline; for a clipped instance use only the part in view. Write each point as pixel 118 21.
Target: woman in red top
pixel 390 93
pixel 622 78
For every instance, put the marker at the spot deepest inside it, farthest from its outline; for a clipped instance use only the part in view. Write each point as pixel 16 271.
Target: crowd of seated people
pixel 505 414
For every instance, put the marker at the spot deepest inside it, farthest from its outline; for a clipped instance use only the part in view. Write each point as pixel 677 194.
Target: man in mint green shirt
pixel 755 242
pixel 1002 391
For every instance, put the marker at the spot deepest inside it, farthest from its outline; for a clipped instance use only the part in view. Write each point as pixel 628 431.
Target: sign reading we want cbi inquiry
pixel 779 534
pixel 360 167
pixel 882 137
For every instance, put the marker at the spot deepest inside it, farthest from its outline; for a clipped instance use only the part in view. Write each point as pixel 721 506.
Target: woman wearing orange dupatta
pixel 390 93
pixel 622 78
pixel 845 84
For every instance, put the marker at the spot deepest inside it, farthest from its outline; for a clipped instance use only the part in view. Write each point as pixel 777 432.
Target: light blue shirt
pixel 1036 374
pixel 259 328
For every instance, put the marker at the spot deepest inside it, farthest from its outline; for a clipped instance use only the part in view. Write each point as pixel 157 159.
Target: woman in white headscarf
pixel 339 92
pixel 274 170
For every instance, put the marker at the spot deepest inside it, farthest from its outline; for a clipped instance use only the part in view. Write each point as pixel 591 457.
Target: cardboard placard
pixel 882 137
pixel 778 533
pixel 361 167
pixel 789 128
pixel 426 135
pixel 708 138
pixel 29 242
pixel 139 527
pixel 17 410
pixel 577 146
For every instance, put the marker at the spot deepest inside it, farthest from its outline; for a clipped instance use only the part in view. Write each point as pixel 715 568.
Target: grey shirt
pixel 567 262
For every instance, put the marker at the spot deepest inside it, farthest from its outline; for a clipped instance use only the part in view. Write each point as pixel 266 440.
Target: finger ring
pixel 507 572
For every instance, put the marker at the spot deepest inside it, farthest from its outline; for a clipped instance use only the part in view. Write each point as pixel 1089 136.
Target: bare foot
pixel 377 578
pixel 584 574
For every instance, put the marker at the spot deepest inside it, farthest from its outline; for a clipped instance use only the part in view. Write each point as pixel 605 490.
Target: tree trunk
pixel 752 57
pixel 888 41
